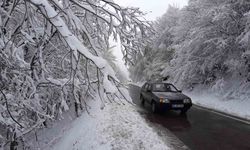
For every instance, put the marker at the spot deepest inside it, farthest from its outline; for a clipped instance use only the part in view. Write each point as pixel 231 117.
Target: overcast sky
pixel 155 7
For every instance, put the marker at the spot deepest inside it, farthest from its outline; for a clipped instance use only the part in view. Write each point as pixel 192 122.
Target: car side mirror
pixel 180 91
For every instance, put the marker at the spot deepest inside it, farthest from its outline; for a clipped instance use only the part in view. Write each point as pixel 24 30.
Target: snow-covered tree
pixel 54 54
pixel 209 49
pixel 156 57
pixel 209 46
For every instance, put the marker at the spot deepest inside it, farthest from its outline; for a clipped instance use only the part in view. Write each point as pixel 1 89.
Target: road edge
pixel 224 114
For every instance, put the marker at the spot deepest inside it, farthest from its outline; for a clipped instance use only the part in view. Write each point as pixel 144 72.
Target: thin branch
pixel 7 107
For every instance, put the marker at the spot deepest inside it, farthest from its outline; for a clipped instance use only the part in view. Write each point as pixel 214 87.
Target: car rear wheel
pixel 142 101
pixel 153 107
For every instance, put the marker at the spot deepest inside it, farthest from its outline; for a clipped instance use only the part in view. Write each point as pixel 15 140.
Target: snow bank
pixel 235 107
pixel 114 127
pixel 228 95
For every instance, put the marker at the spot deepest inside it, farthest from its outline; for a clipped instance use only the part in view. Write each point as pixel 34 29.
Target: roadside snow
pixel 118 127
pixel 235 107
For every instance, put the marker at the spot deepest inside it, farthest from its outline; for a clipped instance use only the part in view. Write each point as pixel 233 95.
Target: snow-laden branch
pixel 74 43
pixel 55 54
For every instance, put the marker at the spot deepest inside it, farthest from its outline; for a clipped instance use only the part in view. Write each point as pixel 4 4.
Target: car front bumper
pixel 173 106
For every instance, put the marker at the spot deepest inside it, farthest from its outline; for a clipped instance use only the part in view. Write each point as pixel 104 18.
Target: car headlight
pixel 186 101
pixel 164 100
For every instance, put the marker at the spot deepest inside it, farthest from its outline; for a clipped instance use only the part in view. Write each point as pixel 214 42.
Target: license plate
pixel 177 105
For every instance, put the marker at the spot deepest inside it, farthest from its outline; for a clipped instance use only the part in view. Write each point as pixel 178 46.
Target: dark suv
pixel 164 96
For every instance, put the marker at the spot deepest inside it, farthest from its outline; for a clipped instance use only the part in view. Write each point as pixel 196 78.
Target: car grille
pixel 176 101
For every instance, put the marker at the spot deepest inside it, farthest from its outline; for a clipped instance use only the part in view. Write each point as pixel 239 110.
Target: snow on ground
pixel 117 127
pixel 44 138
pixel 235 107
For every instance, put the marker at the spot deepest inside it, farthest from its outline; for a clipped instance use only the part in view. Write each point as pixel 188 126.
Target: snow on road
pixel 116 127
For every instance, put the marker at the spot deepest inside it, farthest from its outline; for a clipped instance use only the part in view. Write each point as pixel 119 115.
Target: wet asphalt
pixel 199 129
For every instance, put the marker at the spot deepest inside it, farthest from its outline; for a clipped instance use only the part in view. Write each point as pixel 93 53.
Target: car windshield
pixel 161 87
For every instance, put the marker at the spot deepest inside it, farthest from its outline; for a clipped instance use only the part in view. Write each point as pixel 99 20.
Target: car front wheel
pixel 153 107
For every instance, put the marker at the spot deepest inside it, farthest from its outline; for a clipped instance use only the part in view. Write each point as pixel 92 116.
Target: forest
pixel 204 45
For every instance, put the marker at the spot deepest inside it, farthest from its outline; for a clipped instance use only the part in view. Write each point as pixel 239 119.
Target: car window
pixel 161 87
pixel 149 87
pixel 171 88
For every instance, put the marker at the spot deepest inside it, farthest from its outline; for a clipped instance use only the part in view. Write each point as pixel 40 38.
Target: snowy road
pixel 199 129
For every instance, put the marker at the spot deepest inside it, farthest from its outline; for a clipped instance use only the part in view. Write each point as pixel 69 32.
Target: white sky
pixel 155 8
